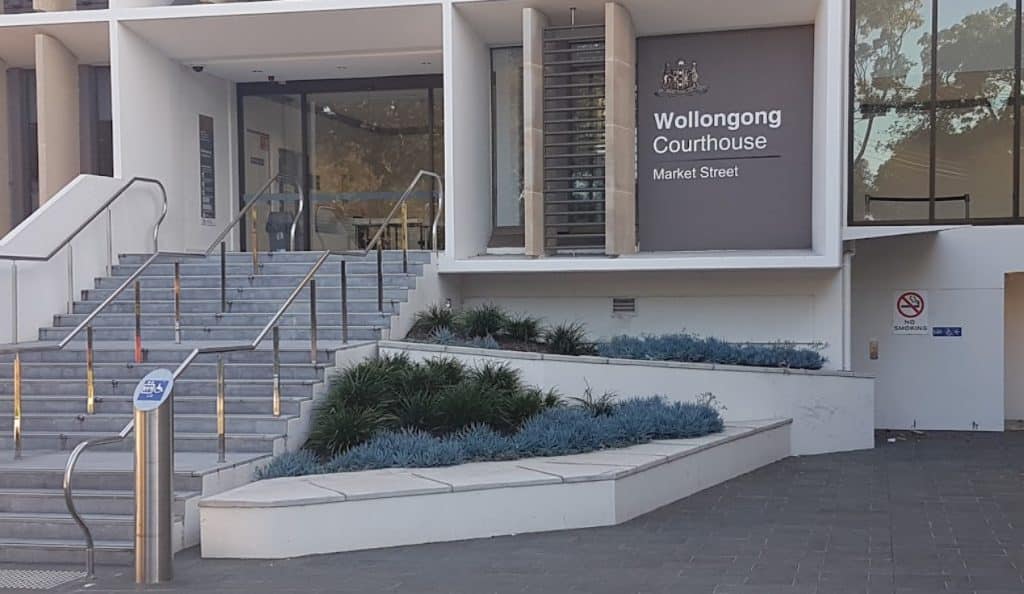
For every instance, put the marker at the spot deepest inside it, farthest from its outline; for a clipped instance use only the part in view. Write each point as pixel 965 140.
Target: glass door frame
pixel 303 88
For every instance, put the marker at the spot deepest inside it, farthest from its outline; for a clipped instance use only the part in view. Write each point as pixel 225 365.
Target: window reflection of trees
pixel 972 101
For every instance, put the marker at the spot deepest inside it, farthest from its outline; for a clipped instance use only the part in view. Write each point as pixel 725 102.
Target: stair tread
pixel 62 543
pixel 64 517
pixel 84 493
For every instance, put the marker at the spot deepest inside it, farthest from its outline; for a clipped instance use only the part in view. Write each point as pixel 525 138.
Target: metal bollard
pixel 154 476
pixel 344 303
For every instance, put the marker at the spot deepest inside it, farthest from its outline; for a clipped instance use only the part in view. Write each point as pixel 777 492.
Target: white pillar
pixel 534 22
pixel 6 195
pixel 620 130
pixel 57 113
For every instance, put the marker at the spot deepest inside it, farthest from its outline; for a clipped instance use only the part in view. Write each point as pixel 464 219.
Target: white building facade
pixel 844 173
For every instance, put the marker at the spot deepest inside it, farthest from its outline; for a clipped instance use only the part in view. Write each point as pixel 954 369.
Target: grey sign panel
pixel 724 133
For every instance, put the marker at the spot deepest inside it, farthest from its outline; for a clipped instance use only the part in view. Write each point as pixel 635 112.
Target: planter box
pixel 309 515
pixel 832 411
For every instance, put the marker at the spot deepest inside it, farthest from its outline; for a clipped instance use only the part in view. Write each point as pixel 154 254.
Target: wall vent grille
pixel 624 305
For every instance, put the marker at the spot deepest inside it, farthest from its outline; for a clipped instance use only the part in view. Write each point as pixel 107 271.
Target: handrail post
pixel 138 322
pixel 177 302
pixel 90 372
pixel 223 277
pixel 380 278
pixel 344 302
pixel 221 422
pixel 255 247
pixel 277 371
pixel 110 242
pixel 71 279
pixel 14 301
pixel 17 406
pixel 405 237
pixel 312 319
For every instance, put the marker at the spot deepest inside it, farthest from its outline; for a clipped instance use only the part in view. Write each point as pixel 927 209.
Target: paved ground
pixel 933 513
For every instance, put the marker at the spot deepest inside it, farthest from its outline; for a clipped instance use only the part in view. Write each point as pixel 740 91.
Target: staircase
pixel 34 523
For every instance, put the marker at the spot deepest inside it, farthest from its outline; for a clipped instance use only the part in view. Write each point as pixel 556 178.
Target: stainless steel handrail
pixel 66 242
pixel 249 206
pixel 81 227
pixel 69 469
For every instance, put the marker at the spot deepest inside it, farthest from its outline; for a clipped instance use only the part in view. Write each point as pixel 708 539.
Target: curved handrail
pixel 81 227
pixel 69 470
pixel 249 206
pixel 437 215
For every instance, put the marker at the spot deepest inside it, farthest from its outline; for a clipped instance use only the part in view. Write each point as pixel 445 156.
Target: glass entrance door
pixel 365 148
pixel 274 164
pixel 352 147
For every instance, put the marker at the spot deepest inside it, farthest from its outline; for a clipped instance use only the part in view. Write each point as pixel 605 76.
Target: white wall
pixel 43 287
pixel 1014 346
pixel 927 382
pixel 157 103
pixel 467 137
pixel 831 412
pixel 801 306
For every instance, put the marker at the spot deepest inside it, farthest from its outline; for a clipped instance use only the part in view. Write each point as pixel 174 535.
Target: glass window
pixel 931 142
pixel 507 101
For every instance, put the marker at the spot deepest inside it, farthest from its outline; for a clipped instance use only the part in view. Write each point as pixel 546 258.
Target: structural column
pixel 6 191
pixel 57 110
pixel 620 130
pixel 534 23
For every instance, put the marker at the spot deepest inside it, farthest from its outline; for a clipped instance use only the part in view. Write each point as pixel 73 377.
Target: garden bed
pixel 307 515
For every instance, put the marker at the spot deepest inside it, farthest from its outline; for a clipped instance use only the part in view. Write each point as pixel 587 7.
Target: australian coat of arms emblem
pixel 681 78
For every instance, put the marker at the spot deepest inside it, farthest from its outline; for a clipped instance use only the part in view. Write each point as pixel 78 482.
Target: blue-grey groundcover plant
pixel 555 431
pixel 690 348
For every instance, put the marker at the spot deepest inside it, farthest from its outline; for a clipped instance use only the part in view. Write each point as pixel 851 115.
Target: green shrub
pixel 447 371
pixel 469 403
pixel 568 339
pixel 338 427
pixel 419 410
pixel 433 319
pixel 523 328
pixel 483 320
pixel 369 383
pixel 517 407
pixel 597 406
pixel 499 377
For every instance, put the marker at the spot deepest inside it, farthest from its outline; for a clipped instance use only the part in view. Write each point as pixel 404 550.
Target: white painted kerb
pixel 317 514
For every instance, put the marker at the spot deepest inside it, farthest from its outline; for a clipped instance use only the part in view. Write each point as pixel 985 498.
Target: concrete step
pixel 101 354
pixel 243 269
pixel 289 281
pixel 122 405
pixel 188 319
pixel 60 526
pixel 238 294
pixel 415 256
pixel 64 552
pixel 183 442
pixel 269 306
pixel 108 424
pixel 87 501
pixel 132 372
pixel 228 334
pixel 182 387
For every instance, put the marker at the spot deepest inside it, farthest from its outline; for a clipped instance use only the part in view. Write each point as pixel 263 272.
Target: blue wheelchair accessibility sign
pixel 153 390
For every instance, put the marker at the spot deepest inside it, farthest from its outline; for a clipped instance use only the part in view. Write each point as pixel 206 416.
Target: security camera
pixel 197 67
pixel 271 78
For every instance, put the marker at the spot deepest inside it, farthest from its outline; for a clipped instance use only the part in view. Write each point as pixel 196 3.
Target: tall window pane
pixel 507 77
pixel 891 123
pixel 974 108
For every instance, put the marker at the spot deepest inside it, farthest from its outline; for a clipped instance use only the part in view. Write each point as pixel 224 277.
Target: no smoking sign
pixel 910 314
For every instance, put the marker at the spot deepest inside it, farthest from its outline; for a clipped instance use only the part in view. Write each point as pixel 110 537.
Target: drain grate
pixel 36 579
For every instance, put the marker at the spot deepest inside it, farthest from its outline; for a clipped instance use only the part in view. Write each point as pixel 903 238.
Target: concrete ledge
pixel 832 411
pixel 318 514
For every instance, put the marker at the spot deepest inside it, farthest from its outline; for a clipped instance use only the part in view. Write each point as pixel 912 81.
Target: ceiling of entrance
pixel 304 45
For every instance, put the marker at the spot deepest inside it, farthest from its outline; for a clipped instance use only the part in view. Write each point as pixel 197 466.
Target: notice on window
pixel 207 172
